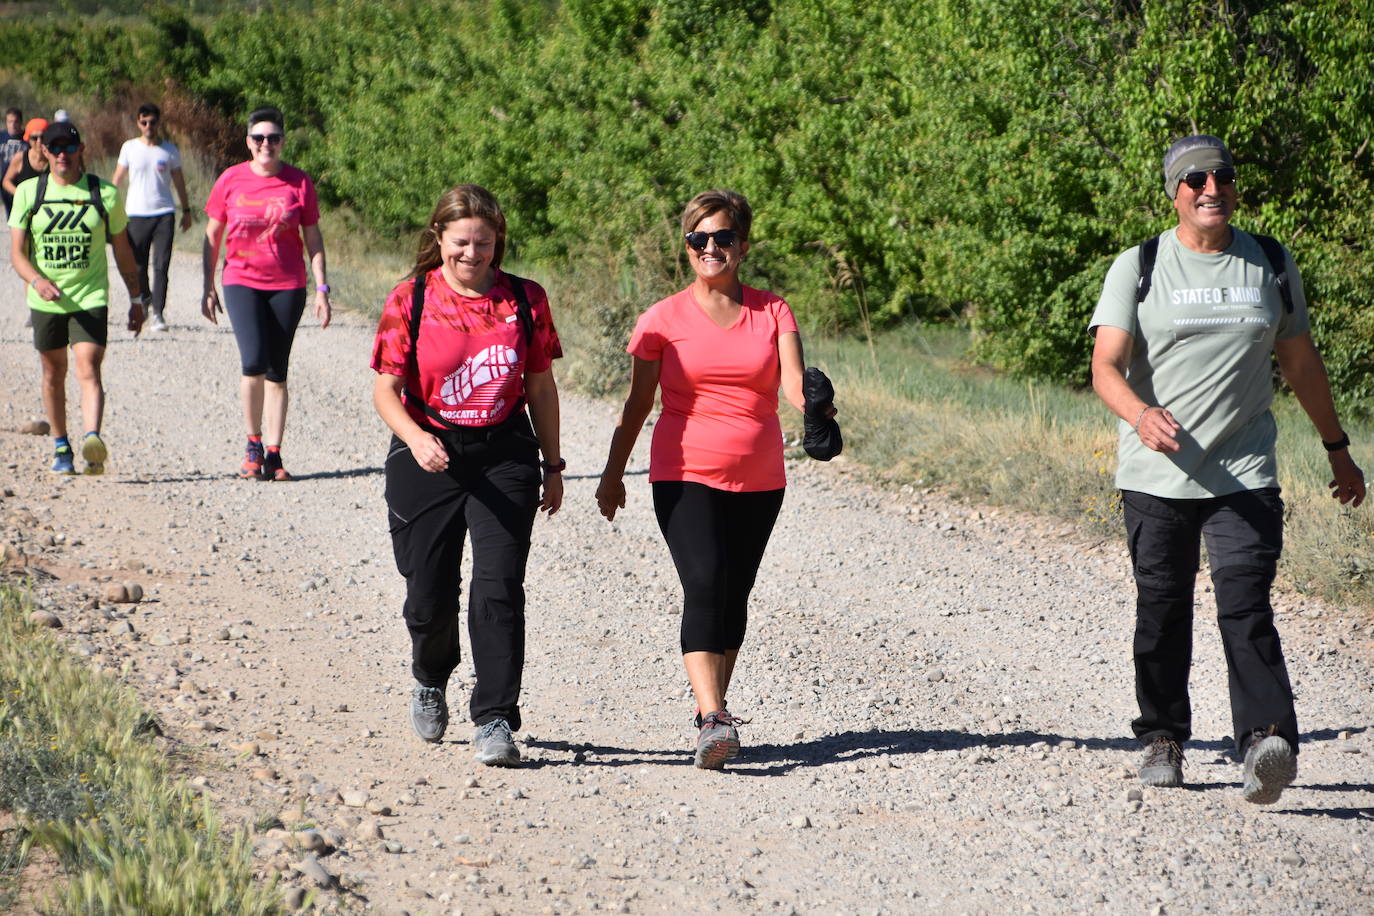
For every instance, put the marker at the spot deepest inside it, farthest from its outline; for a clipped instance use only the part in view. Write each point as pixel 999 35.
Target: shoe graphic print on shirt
pixel 475 390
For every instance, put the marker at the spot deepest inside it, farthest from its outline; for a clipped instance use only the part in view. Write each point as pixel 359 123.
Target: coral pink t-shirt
pixel 471 355
pixel 719 424
pixel 263 217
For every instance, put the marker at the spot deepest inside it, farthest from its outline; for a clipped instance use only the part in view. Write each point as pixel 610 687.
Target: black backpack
pixel 92 186
pixel 1149 249
pixel 523 312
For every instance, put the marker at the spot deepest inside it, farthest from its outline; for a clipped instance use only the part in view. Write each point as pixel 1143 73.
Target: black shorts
pixel 58 330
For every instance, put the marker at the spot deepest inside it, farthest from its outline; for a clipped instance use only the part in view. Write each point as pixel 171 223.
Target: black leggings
pixel 264 323
pixel 717 539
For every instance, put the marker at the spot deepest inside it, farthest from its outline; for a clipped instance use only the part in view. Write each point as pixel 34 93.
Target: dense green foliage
pixel 928 158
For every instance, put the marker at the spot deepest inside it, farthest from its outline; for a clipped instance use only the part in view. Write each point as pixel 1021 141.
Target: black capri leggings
pixel 717 539
pixel 264 323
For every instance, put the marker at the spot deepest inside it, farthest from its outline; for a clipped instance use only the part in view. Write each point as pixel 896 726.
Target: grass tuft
pixel 80 770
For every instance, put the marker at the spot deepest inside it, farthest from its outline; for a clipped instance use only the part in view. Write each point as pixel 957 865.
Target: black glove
pixel 822 440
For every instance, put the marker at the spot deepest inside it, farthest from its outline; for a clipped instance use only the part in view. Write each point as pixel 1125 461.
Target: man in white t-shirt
pixel 1185 331
pixel 153 166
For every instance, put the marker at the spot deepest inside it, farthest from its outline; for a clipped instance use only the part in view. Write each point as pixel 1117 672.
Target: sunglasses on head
pixel 62 147
pixel 1198 180
pixel 260 139
pixel 725 238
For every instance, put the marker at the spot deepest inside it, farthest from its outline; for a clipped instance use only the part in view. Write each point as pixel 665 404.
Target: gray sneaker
pixel 156 322
pixel 428 713
pixel 1163 764
pixel 494 746
pixel 1271 765
pixel 718 740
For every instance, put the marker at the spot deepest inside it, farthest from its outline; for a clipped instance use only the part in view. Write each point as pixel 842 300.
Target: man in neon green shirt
pixel 59 226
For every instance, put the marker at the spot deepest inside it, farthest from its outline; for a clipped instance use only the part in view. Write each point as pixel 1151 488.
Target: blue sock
pixel 61 442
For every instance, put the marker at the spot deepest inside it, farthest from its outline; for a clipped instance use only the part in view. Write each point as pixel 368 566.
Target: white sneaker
pixel 157 323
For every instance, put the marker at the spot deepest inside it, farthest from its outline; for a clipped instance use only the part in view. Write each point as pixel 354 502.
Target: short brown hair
pixel 462 202
pixel 709 203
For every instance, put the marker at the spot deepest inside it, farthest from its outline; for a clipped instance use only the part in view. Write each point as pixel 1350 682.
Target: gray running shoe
pixel 1271 765
pixel 156 322
pixel 494 745
pixel 718 740
pixel 1163 764
pixel 428 713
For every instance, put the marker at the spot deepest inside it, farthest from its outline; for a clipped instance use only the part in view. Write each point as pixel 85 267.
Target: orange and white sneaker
pixel 271 466
pixel 251 469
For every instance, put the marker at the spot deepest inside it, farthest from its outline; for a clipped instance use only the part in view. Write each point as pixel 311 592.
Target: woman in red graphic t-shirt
pixel 266 215
pixel 718 350
pixel 462 347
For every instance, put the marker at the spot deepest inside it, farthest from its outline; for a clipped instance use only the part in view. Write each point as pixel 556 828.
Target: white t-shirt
pixel 150 176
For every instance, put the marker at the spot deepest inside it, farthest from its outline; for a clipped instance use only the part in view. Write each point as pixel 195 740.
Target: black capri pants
pixel 489 491
pixel 717 539
pixel 264 323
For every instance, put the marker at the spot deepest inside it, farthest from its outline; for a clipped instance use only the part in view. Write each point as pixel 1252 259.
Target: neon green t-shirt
pixel 68 241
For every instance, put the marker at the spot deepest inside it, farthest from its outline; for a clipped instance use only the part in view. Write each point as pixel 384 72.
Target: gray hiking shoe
pixel 494 746
pixel 1163 764
pixel 428 713
pixel 718 740
pixel 1271 765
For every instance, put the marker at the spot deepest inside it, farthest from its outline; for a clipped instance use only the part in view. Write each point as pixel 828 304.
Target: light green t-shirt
pixel 1203 340
pixel 69 240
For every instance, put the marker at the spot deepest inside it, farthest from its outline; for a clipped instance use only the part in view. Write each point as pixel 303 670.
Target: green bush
pixel 929 159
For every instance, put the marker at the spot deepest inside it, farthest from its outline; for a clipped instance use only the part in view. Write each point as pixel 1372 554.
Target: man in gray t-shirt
pixel 1182 356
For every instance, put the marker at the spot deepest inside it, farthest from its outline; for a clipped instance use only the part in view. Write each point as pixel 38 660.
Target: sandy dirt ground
pixel 940 695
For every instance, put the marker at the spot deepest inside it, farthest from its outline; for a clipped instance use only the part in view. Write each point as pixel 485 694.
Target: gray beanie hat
pixel 1198 153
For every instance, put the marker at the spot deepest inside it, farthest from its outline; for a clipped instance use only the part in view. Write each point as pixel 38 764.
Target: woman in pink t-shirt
pixel 718 350
pixel 462 347
pixel 266 214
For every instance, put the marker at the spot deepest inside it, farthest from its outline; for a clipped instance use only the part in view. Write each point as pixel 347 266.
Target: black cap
pixel 60 132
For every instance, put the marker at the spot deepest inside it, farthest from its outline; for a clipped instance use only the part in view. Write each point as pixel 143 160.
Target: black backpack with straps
pixel 524 313
pixel 92 187
pixel 1149 250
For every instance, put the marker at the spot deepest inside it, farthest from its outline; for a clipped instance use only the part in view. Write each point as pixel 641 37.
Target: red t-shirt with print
pixel 471 357
pixel 263 216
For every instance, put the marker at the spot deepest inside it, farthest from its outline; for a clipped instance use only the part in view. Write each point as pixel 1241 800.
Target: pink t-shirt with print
pixel 471 355
pixel 719 424
pixel 263 217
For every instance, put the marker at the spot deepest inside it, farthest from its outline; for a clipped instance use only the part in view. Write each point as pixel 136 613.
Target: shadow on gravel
pixel 338 475
pixel 776 759
pixel 198 477
pixel 599 755
pixel 639 473
pixel 1336 814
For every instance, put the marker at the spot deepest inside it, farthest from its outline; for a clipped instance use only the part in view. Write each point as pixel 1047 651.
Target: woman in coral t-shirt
pixel 719 350
pixel 266 214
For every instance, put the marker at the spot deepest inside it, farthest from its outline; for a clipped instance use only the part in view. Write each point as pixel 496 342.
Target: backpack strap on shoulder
pixel 523 311
pixel 93 187
pixel 1149 250
pixel 417 309
pixel 38 197
pixel 1279 265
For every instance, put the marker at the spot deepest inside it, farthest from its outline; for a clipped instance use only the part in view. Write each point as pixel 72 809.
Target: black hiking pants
pixel 1244 536
pixel 489 492
pixel 151 239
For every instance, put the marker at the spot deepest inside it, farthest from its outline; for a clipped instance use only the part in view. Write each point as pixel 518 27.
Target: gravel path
pixel 940 695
